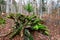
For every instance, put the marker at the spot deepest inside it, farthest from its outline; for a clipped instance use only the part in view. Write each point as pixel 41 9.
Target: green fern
pixel 27 34
pixel 28 7
pixel 25 21
pixel 16 32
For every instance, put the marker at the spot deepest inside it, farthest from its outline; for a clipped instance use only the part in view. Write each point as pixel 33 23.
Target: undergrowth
pixel 26 23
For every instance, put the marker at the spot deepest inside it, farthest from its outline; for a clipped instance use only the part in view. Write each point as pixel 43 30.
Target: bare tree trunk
pixel 7 7
pixel 40 8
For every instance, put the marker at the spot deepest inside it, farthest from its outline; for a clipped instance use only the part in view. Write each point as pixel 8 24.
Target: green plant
pixel 22 22
pixel 17 31
pixel 42 28
pixel 29 7
pixel 27 35
pixel 11 15
pixel 2 21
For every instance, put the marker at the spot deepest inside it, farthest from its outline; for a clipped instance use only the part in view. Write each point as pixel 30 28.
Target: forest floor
pixel 52 21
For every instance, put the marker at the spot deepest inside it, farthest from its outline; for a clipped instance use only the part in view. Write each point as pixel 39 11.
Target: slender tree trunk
pixel 40 8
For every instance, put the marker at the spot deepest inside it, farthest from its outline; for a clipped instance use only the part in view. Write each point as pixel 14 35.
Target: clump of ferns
pixel 26 23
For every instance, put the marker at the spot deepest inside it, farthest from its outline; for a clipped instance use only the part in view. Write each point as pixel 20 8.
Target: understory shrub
pixel 25 23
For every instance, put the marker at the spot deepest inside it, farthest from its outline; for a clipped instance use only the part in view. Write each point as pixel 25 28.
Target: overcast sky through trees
pixel 26 0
